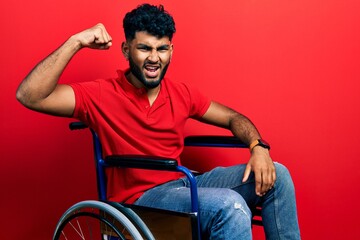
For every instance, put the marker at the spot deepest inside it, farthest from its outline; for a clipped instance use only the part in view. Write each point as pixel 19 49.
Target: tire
pixel 95 220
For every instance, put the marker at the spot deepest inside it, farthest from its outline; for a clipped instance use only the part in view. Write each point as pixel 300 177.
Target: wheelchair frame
pixel 125 211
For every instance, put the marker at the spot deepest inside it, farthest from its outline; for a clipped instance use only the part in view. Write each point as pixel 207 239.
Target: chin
pixel 152 83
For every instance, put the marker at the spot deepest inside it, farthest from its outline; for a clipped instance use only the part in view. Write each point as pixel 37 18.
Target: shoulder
pixel 190 96
pixel 94 85
pixel 184 89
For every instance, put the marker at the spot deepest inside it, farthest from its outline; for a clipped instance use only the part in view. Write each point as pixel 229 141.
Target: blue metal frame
pixel 100 165
pixel 193 194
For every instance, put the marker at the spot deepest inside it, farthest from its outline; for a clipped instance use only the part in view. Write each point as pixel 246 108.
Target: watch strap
pixel 253 144
pixel 259 142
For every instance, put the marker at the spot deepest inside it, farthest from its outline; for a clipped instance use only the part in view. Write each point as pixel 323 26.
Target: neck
pixel 153 94
pixel 133 80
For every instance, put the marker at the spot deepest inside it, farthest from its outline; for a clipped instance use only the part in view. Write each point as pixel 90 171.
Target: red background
pixel 291 66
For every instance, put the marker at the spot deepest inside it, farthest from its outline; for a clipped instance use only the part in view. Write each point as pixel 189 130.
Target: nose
pixel 154 56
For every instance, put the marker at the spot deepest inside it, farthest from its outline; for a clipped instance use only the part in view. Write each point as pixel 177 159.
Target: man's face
pixel 149 58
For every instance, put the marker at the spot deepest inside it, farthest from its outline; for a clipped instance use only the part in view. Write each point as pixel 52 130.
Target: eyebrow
pixel 147 47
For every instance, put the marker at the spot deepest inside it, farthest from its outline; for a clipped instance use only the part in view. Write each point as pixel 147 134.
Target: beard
pixel 136 71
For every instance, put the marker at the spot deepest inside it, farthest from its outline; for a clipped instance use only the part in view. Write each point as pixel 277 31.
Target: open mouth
pixel 152 71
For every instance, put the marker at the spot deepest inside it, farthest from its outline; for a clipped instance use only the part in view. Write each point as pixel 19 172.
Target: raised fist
pixel 95 37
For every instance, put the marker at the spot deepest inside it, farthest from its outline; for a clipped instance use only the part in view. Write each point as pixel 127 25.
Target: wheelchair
pixel 105 220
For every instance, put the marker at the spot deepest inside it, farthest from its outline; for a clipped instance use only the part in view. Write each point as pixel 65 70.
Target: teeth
pixel 151 68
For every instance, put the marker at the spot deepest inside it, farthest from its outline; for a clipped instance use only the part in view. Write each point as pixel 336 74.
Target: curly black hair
pixel 152 19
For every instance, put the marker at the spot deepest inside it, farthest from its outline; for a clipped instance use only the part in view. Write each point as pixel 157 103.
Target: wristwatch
pixel 259 142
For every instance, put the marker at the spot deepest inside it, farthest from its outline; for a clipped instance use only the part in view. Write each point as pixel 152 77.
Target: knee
pixel 226 213
pixel 229 203
pixel 283 177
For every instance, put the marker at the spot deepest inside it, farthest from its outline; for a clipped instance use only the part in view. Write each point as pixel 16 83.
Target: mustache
pixel 151 63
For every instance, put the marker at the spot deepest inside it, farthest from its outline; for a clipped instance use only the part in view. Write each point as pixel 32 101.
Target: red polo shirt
pixel 126 124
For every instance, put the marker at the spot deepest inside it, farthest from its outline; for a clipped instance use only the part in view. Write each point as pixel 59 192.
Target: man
pixel 141 112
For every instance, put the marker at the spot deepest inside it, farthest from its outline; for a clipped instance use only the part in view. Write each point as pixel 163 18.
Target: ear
pixel 125 49
pixel 172 51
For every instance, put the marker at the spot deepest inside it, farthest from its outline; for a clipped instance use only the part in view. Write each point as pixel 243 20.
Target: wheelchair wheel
pixel 95 220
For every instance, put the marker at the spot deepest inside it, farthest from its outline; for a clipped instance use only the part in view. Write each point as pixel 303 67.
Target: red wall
pixel 291 66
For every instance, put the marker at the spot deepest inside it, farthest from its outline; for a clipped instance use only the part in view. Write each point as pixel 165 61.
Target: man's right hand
pixel 95 37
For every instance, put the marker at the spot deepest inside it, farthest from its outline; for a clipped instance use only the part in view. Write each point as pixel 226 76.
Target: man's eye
pixel 163 49
pixel 144 48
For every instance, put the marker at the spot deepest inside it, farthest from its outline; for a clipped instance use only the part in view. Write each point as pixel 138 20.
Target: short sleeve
pixel 199 103
pixel 86 94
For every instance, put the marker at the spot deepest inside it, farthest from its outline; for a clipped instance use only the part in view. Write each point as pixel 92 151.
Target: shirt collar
pixel 133 92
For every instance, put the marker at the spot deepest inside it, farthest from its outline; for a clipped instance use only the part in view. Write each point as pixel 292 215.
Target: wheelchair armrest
pixel 77 125
pixel 214 141
pixel 155 163
pixel 142 162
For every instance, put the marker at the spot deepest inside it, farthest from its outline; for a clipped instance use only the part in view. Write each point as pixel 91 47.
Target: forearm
pixel 43 79
pixel 260 161
pixel 243 128
pixel 228 118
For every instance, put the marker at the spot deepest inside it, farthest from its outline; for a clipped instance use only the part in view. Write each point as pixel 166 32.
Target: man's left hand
pixel 263 167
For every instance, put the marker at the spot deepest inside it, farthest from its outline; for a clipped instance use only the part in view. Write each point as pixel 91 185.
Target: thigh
pixel 231 178
pixel 222 177
pixel 171 196
pixel 177 198
pixel 176 194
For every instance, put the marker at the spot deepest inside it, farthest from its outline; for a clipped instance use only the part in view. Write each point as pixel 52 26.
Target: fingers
pixel 247 173
pixel 259 184
pixel 264 170
pixel 265 180
pixel 95 37
pixel 102 38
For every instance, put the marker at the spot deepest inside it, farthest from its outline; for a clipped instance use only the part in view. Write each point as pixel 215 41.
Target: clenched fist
pixel 95 37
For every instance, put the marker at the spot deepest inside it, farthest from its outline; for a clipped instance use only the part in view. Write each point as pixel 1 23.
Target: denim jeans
pixel 225 203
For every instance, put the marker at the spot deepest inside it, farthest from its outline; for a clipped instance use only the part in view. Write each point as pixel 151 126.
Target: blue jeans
pixel 225 203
